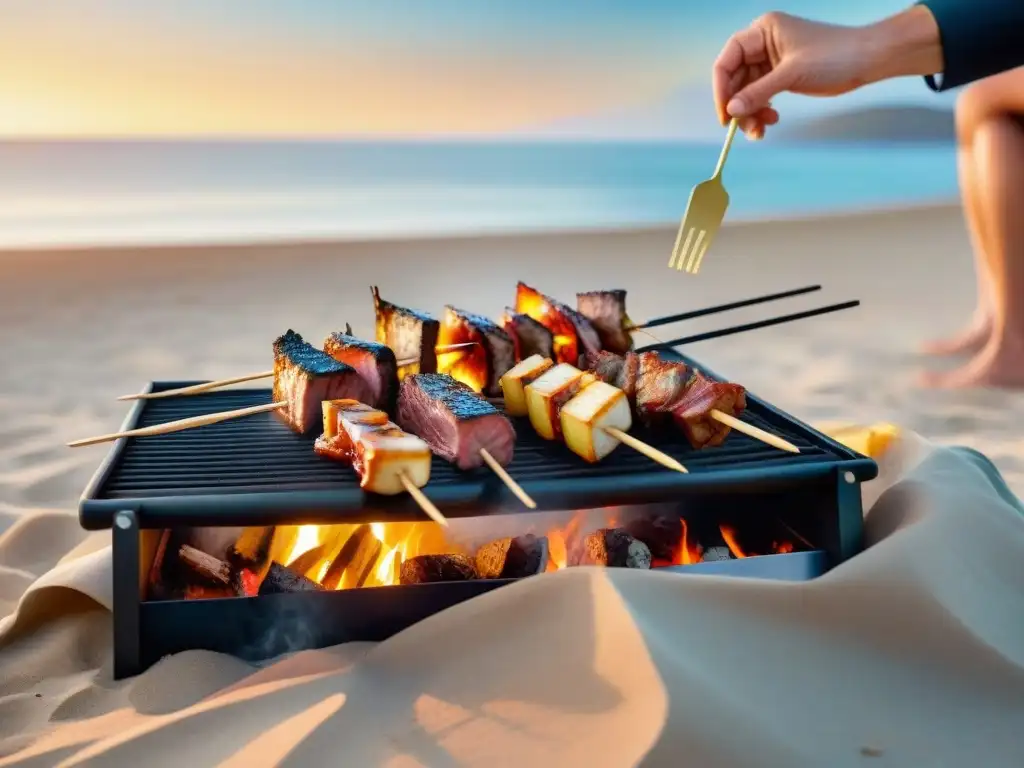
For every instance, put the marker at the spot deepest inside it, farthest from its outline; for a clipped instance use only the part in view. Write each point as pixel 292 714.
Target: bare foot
pixel 999 364
pixel 970 340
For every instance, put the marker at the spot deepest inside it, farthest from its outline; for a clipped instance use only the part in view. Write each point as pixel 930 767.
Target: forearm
pixel 963 40
pixel 908 43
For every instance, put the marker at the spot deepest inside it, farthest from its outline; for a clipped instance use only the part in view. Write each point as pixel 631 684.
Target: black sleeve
pixel 979 38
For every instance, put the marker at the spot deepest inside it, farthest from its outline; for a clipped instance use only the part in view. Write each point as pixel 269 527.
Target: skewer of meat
pixel 659 389
pixel 459 425
pixel 591 416
pixel 374 361
pixel 387 459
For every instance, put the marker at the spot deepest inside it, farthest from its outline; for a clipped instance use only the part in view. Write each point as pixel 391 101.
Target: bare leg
pixel 973 337
pixel 998 148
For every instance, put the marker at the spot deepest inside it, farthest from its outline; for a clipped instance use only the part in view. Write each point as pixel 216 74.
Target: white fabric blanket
pixel 911 654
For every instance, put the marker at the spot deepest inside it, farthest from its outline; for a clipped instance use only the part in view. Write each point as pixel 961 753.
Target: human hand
pixel 779 53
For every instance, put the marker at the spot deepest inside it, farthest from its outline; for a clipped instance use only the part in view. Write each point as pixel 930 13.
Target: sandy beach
pixel 78 328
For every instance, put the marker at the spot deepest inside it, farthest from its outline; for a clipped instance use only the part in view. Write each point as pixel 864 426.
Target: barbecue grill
pixel 256 472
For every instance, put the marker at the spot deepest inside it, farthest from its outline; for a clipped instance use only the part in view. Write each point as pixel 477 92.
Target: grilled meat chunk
pixel 412 335
pixel 380 453
pixel 482 366
pixel 659 389
pixel 618 370
pixel 374 361
pixel 573 334
pixel 455 421
pixel 606 311
pixel 530 337
pixel 692 413
pixel 660 385
pixel 304 376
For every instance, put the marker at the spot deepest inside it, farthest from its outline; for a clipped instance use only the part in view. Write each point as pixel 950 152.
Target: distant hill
pixel 873 124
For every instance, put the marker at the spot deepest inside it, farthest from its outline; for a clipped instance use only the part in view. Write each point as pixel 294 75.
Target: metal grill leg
pixel 127 656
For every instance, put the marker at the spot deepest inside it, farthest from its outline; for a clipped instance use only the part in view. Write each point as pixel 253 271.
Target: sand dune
pixel 79 328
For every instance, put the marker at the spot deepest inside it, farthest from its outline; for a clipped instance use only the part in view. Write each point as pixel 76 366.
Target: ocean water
pixel 93 193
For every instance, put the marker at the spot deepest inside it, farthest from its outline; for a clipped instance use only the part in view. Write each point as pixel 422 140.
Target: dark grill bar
pixel 256 468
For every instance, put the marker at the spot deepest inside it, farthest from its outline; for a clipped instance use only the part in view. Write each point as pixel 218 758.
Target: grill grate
pixel 257 463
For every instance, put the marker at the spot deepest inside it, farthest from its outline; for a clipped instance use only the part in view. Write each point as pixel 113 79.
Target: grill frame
pixel 819 498
pixel 623 478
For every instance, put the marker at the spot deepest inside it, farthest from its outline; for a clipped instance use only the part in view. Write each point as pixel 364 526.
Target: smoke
pixel 289 628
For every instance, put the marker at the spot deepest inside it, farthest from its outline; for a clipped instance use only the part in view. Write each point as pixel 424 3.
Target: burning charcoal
pixel 512 558
pixel 280 580
pixel 661 534
pixel 252 548
pixel 716 554
pixel 355 561
pixel 425 569
pixel 308 560
pixel 155 586
pixel 206 592
pixel 208 568
pixel 612 547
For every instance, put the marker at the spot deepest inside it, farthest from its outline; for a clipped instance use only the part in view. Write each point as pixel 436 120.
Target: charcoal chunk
pixel 425 569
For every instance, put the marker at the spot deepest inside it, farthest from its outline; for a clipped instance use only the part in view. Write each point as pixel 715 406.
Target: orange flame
pixel 537 306
pixel 470 365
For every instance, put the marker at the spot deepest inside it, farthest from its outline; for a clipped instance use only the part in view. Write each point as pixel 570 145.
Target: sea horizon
pixel 94 192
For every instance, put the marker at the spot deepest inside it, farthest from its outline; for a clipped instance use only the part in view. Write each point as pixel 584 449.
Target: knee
pixel 973 108
pixel 998 96
pixel 998 141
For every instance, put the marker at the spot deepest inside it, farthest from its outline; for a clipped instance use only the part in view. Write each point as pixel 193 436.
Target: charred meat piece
pixel 305 376
pixel 660 385
pixel 692 413
pixel 454 421
pixel 573 334
pixel 606 311
pixel 530 337
pixel 618 370
pixel 412 335
pixel 380 453
pixel 479 367
pixel 374 361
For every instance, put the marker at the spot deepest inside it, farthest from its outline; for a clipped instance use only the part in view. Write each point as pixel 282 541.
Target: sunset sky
pixel 355 67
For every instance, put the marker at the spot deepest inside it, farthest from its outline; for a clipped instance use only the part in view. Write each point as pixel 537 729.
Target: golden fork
pixel 704 214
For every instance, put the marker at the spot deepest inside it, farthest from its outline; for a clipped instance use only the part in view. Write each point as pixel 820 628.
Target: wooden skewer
pixel 179 425
pixel 755 432
pixel 507 479
pixel 196 389
pixel 424 503
pixel 647 450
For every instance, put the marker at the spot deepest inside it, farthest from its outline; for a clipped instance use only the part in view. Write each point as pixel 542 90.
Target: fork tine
pixel 682 250
pixel 691 260
pixel 700 256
